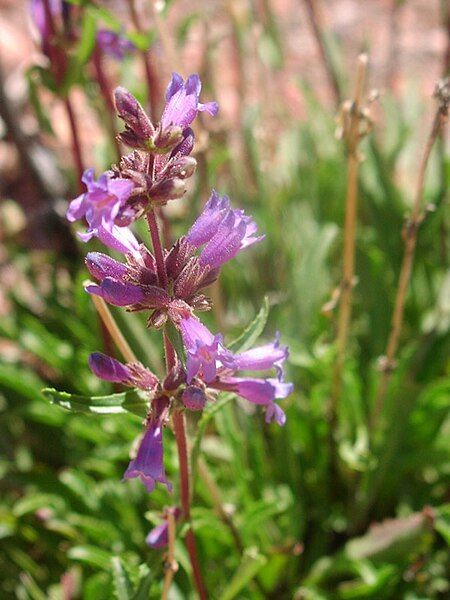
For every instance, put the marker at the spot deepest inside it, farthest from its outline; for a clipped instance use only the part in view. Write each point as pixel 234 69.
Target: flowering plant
pixel 169 285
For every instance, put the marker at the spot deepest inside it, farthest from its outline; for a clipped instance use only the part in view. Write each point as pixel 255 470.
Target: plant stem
pixel 105 89
pixel 171 566
pixel 113 329
pixel 410 232
pixel 317 27
pixel 345 304
pixel 150 75
pixel 76 146
pixel 178 420
pixel 180 436
pixel 157 248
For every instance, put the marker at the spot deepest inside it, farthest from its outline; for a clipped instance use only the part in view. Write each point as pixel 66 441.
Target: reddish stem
pixel 106 91
pixel 157 248
pixel 180 436
pixel 150 74
pixel 178 419
pixel 76 146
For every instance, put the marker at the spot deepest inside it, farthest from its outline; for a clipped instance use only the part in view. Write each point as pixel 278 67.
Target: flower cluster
pixel 152 174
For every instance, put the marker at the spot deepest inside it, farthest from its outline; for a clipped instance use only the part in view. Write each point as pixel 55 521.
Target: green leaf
pixel 121 581
pixel 442 522
pixel 146 578
pixel 252 562
pixel 175 339
pixel 207 416
pixel 133 401
pixel 252 332
pixel 99 559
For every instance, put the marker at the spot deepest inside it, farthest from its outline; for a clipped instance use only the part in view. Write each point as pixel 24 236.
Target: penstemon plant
pixel 169 284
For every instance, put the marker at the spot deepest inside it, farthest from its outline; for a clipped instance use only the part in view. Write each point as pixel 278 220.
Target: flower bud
pixel 193 398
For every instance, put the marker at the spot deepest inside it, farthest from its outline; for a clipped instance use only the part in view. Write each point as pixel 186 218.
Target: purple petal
pixel 121 188
pixel 175 85
pixel 193 331
pixel 158 536
pixel 109 369
pixel 76 209
pixel 258 391
pixel 118 238
pixel 148 464
pixel 207 224
pixel 210 107
pixel 117 293
pixel 101 266
pixel 194 398
pixel 275 413
pixel 262 357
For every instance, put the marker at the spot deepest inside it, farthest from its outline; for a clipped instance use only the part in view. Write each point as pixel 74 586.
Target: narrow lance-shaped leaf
pixel 132 401
pixel 253 330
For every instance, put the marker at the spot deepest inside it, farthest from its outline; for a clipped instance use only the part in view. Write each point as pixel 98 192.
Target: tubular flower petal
pixel 130 374
pixel 224 231
pixel 210 362
pixel 148 464
pixel 263 357
pixel 117 293
pixel 101 203
pixel 182 102
pixel 114 44
pixel 159 535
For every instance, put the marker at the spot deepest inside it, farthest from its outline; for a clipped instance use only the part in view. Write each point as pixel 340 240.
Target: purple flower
pixel 204 350
pixel 263 357
pixel 182 102
pixel 194 397
pixel 209 361
pixel 148 464
pixel 130 374
pixel 224 231
pixel 132 284
pixel 114 44
pixel 159 535
pixel 101 203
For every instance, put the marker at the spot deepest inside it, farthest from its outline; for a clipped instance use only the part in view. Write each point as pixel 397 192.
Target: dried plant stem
pixel 315 19
pixel 351 202
pixel 165 37
pixel 113 329
pixel 410 240
pixel 150 75
pixel 171 566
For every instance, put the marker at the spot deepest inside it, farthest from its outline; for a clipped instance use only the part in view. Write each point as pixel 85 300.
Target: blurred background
pixel 322 508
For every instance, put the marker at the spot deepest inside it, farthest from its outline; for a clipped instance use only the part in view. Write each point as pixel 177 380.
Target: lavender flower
pixel 159 535
pixel 148 464
pixel 101 203
pixel 114 44
pixel 130 374
pixel 222 231
pixel 182 102
pixel 209 361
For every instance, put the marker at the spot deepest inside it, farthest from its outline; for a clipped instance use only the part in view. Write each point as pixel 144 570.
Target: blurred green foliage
pixel 70 528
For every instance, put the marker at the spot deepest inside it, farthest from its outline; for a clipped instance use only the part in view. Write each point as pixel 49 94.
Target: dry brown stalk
pixel 410 231
pixel 114 331
pixel 352 116
pixel 171 565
